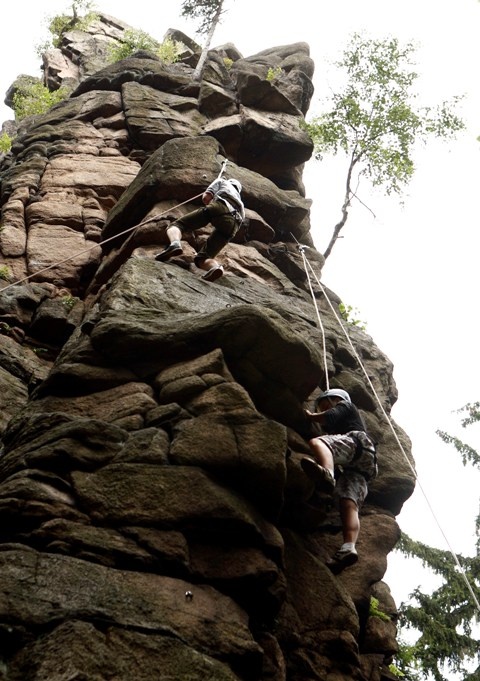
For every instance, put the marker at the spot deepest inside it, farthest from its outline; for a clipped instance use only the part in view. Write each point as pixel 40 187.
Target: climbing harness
pixel 309 269
pixel 365 457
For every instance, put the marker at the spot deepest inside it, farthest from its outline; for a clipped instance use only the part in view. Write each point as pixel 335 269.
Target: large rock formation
pixel 155 518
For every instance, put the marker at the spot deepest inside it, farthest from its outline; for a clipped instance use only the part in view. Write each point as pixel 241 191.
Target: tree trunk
pixel 197 74
pixel 345 207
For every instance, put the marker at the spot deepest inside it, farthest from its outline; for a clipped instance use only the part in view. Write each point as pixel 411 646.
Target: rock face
pixel 155 518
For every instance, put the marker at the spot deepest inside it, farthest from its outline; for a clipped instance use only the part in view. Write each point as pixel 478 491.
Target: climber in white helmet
pixel 345 448
pixel 224 210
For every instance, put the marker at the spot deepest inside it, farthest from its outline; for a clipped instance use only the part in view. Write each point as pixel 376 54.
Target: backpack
pixel 365 458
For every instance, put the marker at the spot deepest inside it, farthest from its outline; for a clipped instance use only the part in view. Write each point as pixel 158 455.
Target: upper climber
pixel 223 208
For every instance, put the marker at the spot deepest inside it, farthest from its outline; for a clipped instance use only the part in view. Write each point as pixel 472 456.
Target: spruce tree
pixel 447 619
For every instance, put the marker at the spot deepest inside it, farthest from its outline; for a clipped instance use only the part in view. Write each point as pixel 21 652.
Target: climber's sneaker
pixel 321 476
pixel 213 273
pixel 175 248
pixel 342 559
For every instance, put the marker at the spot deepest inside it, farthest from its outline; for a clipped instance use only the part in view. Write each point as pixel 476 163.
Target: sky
pixel 410 272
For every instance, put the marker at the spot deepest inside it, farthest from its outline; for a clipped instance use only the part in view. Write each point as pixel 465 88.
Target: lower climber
pixel 344 448
pixel 223 208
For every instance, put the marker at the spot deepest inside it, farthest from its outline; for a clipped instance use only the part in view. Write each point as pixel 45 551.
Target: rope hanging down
pixel 302 248
pixel 90 248
pixel 308 267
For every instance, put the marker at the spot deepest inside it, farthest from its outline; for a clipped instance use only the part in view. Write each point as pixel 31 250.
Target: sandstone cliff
pixel 155 522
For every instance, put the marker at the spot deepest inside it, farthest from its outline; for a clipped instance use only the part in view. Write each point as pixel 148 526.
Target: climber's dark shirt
pixel 342 418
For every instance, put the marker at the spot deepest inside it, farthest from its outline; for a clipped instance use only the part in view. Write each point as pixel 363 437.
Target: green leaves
pixel 168 51
pixel 445 620
pixel 469 454
pixel 205 10
pixel 374 610
pixel 5 143
pixel 132 40
pixel 373 119
pixel 349 315
pixel 36 99
pixel 61 23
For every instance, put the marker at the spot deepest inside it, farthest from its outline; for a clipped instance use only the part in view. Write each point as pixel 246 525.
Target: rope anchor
pixel 301 247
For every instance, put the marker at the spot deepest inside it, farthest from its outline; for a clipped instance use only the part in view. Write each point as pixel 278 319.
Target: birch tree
pixel 374 122
pixel 208 12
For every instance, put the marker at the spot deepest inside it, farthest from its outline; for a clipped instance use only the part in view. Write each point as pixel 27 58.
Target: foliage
pixel 374 122
pixel 61 23
pixel 35 99
pixel 41 48
pixel 274 72
pixel 393 669
pixel 228 63
pixel 346 312
pixel 133 40
pixel 170 50
pixel 445 619
pixel 5 143
pixel 204 10
pixel 5 273
pixel 40 351
pixel 406 666
pixel 69 301
pixel 374 610
pixel 467 452
pixel 469 455
pixel 209 13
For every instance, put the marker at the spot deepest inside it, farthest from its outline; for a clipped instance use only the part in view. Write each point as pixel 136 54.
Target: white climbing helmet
pixel 336 392
pixel 236 184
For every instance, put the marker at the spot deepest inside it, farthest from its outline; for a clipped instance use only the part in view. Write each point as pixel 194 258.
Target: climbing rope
pixel 302 248
pixel 101 243
pixel 222 169
pixel 308 267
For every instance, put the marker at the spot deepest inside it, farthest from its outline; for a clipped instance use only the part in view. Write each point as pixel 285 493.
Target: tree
pixel 209 13
pixel 83 13
pixel 80 17
pixel 5 143
pixel 374 122
pixel 36 99
pixel 446 618
pixel 168 51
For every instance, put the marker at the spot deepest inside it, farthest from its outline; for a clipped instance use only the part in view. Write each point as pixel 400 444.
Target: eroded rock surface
pixel 155 518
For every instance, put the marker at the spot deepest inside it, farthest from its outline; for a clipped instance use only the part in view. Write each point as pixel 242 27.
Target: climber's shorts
pixel 351 485
pixel 356 464
pixel 343 448
pixel 354 450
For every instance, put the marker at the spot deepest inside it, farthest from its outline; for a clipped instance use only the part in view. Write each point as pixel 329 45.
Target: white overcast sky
pixel 411 272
